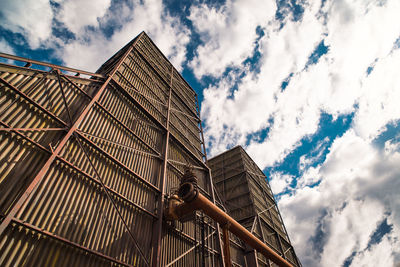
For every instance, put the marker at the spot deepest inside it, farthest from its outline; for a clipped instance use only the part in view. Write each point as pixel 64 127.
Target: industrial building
pixel 247 196
pixel 88 162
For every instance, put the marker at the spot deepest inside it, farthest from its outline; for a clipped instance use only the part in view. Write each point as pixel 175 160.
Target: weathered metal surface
pixel 85 163
pixel 248 198
pixel 190 199
pixel 29 63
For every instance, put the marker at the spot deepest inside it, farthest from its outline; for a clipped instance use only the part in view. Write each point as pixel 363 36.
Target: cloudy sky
pixel 311 89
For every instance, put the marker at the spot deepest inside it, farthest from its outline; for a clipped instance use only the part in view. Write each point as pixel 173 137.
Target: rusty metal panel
pixel 32 101
pixel 20 158
pixel 183 244
pixel 185 92
pixel 70 203
pixel 153 55
pixel 145 86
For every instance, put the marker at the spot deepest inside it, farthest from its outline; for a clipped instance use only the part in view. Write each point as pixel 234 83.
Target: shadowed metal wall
pixel 248 198
pixel 87 159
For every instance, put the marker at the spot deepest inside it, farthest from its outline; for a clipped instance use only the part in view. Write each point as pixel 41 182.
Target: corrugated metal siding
pixel 116 151
pixel 74 207
pixel 20 158
pixel 36 102
pixel 184 149
pixel 36 249
pixel 69 201
pixel 154 57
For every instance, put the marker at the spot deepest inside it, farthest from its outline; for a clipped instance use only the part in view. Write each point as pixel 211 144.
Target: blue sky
pixel 309 88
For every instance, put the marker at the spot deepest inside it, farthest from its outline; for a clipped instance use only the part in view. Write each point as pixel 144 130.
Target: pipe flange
pixel 187 192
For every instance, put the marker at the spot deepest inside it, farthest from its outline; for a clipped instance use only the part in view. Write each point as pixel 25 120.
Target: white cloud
pixel 279 182
pixel 306 160
pixel 259 95
pixel 31 18
pixel 228 33
pixel 377 106
pixel 77 14
pixel 358 182
pixel 310 176
pixel 391 146
pixel 330 221
pixel 350 229
pixel 358 33
pixel 5 47
pixel 91 49
pixel 377 255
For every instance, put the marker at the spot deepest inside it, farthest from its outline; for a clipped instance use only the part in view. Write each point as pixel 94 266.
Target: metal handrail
pixel 53 66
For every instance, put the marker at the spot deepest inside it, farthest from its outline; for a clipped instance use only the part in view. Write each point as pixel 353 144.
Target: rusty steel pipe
pixel 193 200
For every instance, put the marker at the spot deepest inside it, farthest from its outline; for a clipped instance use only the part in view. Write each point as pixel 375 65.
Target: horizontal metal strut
pixel 31 61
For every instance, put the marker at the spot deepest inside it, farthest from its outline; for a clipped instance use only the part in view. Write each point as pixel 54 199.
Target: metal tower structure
pixel 89 163
pixel 88 158
pixel 248 198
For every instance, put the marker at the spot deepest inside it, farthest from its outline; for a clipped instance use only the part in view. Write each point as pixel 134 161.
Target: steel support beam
pixel 156 243
pixel 32 129
pixel 32 102
pixel 39 177
pixel 16 131
pixel 188 251
pixel 114 117
pixel 120 145
pixel 119 163
pixel 31 61
pixel 68 242
pixel 135 242
pixel 160 124
pixel 227 252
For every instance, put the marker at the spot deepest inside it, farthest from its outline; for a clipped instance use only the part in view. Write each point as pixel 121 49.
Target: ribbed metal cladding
pixel 237 251
pixel 82 160
pixel 248 198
